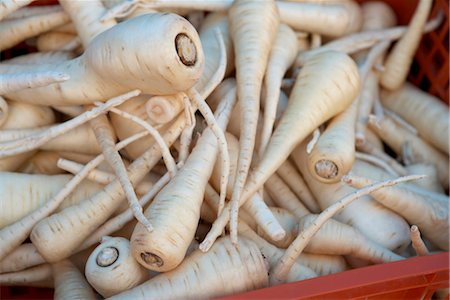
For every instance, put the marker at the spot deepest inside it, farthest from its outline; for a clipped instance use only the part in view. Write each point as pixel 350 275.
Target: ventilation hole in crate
pixel 438 60
pixel 427 43
pixel 425 84
pixel 415 69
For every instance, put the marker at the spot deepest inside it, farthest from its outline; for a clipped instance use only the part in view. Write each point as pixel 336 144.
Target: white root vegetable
pixel 39 276
pixel 429 211
pixel 10 6
pixel 34 141
pixel 25 256
pixel 337 238
pixel 417 242
pixel 417 108
pixel 231 271
pixel 179 201
pixel 163 109
pixel 28 11
pixel 166 44
pixel 41 58
pixel 107 201
pixel 375 221
pixel 70 283
pixel 15 31
pixel 431 182
pixel 13 235
pixel 298 245
pixel 16 82
pixel 20 194
pixel 111 269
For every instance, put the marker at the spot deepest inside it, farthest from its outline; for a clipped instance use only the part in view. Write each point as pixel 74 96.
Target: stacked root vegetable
pixel 195 149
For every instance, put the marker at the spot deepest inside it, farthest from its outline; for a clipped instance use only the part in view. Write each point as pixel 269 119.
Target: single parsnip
pixel 334 153
pixel 418 108
pixel 431 182
pixel 298 245
pixel 111 269
pixel 290 175
pixel 337 238
pixel 75 223
pixel 256 22
pixel 428 210
pixel 229 269
pixel 41 58
pixel 308 101
pixel 377 15
pixel 20 194
pixel 396 137
pixel 284 197
pixel 335 19
pixel 20 81
pixel 70 283
pixel 400 58
pixel 377 162
pixel 282 55
pixel 211 49
pixel 374 221
pixel 18 30
pixel 25 256
pixel 417 242
pixel 164 248
pixel 39 276
pixel 369 92
pixel 56 41
pixel 355 42
pixel 166 44
pixel 255 206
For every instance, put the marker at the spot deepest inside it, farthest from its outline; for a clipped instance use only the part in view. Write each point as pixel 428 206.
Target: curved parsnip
pixel 166 44
pixel 253 27
pixel 70 283
pixel 179 201
pixel 282 56
pixel 111 269
pixel 417 108
pixel 400 58
pixel 221 271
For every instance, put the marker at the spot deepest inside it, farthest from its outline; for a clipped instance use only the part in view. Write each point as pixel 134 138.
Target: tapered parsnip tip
pixel 205 246
pixel 107 256
pixel 414 229
pixel 279 235
pixel 360 139
pixel 186 50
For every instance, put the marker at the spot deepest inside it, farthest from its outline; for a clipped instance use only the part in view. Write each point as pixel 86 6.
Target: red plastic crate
pixel 414 278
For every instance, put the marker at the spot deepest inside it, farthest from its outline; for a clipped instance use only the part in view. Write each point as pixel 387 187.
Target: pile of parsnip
pixel 175 149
